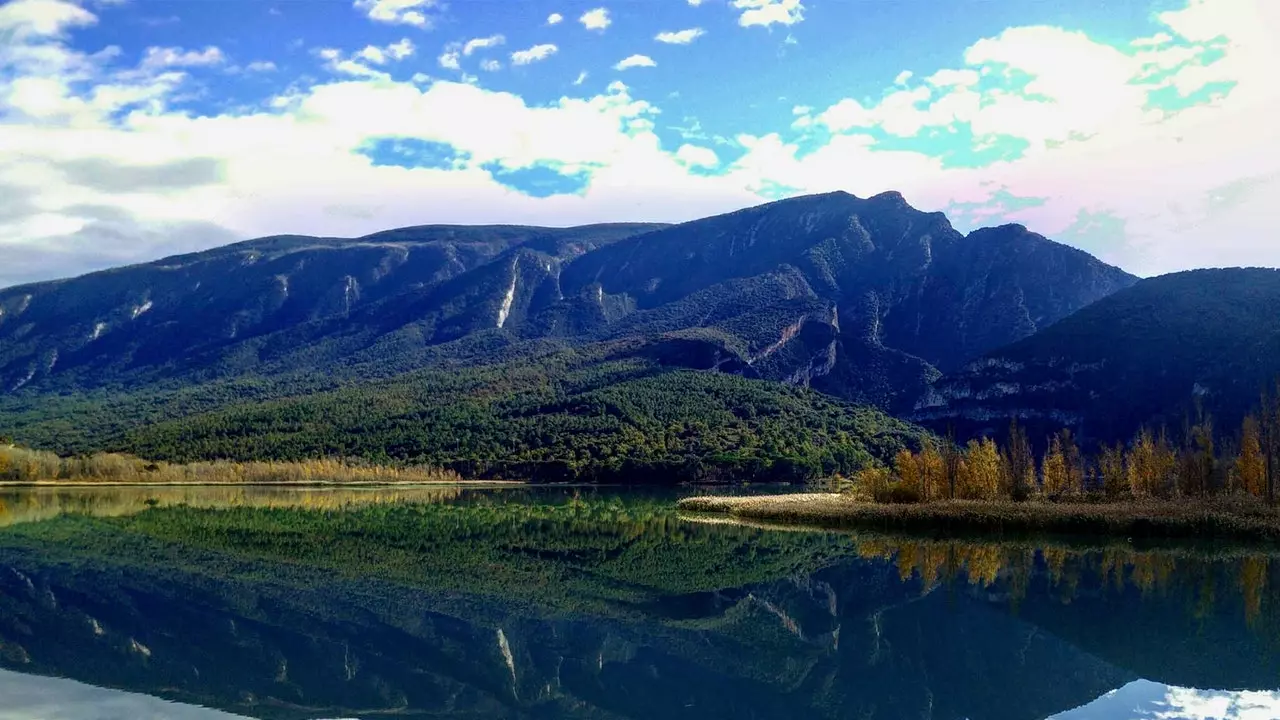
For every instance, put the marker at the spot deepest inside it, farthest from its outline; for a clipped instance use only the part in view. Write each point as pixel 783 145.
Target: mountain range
pixel 802 325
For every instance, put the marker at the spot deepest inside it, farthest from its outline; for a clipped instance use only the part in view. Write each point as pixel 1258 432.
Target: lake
pixel 466 602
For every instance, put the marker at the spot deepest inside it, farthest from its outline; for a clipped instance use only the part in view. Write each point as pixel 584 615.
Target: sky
pixel 1143 132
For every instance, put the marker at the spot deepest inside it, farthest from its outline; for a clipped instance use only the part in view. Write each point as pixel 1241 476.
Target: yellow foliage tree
pixel 1111 467
pixel 980 479
pixel 1056 479
pixel 933 472
pixel 907 465
pixel 1151 464
pixel 1251 465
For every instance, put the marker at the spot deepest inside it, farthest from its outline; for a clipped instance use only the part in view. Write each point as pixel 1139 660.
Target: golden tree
pixel 982 470
pixel 1251 464
pixel 907 465
pixel 933 472
pixel 1054 468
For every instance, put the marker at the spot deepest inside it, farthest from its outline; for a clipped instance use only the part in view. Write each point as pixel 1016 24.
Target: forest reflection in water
pixel 600 603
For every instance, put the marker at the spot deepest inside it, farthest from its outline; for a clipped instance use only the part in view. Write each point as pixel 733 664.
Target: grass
pixel 1240 519
pixel 22 466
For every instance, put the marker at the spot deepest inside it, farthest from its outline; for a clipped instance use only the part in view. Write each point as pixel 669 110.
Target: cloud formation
pixel 597 19
pixel 635 61
pixel 398 12
pixel 1158 154
pixel 533 54
pixel 680 37
pixel 769 12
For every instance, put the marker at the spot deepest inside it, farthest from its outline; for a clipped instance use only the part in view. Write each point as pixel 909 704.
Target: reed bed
pixel 26 466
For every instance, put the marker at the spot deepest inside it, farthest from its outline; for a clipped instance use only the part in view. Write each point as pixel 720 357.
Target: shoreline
pixel 260 483
pixel 1157 519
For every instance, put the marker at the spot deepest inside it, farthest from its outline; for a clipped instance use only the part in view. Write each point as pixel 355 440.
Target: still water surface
pixel 208 603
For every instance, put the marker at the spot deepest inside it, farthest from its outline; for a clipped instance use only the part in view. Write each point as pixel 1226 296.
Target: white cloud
pixel 482 43
pixel 635 61
pixel 261 66
pixel 450 59
pixel 597 19
pixel 25 19
pixel 902 77
pixel 533 54
pixel 400 49
pixel 695 156
pixel 680 37
pixel 157 58
pixel 582 77
pixel 490 65
pixel 695 3
pixel 100 165
pixel 397 12
pixel 555 19
pixel 382 55
pixel 769 12
pixel 944 78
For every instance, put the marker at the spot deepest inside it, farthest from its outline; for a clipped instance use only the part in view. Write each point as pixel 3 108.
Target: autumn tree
pixel 1150 464
pixel 983 470
pixel 1251 463
pixel 907 466
pixel 933 471
pixel 1111 468
pixel 1054 468
pixel 1073 460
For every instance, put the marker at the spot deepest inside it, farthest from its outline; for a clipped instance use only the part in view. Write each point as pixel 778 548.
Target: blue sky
pixel 129 129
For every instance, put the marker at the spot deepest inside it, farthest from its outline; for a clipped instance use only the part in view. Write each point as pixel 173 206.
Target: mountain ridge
pixel 866 300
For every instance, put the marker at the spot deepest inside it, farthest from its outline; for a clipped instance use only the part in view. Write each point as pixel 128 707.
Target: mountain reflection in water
pixel 604 604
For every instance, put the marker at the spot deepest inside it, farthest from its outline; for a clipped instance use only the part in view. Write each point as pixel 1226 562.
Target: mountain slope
pixel 188 312
pixel 211 354
pixel 858 298
pixel 1148 354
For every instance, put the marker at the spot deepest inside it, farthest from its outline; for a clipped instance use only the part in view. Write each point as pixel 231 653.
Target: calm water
pixel 511 602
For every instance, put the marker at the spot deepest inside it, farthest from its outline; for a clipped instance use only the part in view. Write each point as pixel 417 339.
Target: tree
pixel 1199 459
pixel 1054 468
pixel 952 457
pixel 907 465
pixel 1111 467
pixel 1251 463
pixel 933 471
pixel 1020 464
pixel 1073 460
pixel 983 470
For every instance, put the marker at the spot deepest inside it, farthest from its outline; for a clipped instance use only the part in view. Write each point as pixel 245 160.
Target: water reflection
pixel 605 604
pixel 28 697
pixel 1143 700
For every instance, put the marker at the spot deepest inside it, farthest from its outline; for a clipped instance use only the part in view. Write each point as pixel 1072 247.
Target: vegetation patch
pixel 1225 518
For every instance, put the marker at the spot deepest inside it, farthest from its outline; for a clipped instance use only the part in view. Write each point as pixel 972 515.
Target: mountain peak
pixel 890 197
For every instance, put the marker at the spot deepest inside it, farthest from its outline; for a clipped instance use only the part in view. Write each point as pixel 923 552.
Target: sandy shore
pixel 1227 519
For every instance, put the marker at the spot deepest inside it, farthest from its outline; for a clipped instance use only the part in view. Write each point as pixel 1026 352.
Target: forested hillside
pixel 563 416
pixel 1167 352
pixel 727 347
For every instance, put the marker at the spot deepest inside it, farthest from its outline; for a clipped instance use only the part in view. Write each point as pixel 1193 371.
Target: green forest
pixel 559 417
